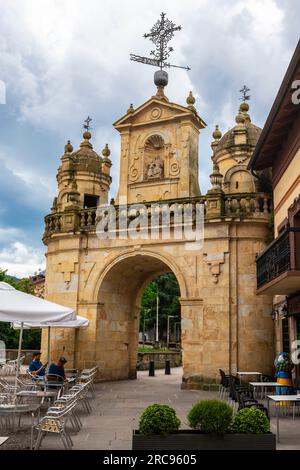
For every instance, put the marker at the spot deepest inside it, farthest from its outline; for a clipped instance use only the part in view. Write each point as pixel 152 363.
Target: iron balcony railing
pixel 281 256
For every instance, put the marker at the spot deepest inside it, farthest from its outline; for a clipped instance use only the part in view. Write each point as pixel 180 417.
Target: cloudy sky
pixel 61 60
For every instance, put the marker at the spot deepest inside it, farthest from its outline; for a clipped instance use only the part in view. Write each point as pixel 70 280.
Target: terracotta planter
pixel 194 440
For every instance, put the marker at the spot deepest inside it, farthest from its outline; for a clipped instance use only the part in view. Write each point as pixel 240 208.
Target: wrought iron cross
pixel 244 92
pixel 86 124
pixel 160 34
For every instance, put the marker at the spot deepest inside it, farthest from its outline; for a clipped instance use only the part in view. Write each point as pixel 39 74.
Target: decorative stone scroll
pixel 214 261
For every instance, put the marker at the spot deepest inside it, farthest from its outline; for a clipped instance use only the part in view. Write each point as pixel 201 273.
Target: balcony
pixel 278 267
pixel 216 207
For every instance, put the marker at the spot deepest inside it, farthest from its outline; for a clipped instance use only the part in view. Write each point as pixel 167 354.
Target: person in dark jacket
pixel 58 369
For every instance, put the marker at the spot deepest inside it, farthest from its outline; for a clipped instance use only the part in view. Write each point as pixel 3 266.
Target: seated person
pixel 36 367
pixel 58 369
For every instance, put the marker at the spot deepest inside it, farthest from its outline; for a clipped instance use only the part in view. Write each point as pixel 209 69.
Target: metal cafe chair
pixel 60 406
pixel 80 391
pixel 54 423
pixel 54 381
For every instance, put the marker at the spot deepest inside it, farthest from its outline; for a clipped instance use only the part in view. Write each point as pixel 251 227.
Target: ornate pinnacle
pixel 86 124
pixel 160 34
pixel 244 91
pixel 106 152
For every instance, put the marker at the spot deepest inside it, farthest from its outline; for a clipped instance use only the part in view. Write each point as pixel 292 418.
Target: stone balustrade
pixel 53 223
pixel 228 205
pixel 248 203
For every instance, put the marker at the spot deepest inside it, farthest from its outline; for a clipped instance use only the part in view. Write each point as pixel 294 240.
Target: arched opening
pixel 154 158
pixel 241 181
pixel 121 288
pixel 160 319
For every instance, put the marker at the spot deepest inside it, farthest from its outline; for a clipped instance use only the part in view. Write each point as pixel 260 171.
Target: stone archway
pixel 120 289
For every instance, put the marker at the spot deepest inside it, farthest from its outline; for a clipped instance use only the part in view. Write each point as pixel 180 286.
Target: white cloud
pixel 36 185
pixel 9 233
pixel 62 60
pixel 21 260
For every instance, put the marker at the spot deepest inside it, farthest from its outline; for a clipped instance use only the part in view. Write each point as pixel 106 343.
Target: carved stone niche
pixel 154 158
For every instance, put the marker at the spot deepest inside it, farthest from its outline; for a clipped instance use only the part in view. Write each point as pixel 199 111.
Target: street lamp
pixel 157 307
pixel 175 330
pixel 168 329
pixel 147 310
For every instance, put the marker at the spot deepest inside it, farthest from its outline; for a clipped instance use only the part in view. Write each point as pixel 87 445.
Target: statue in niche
pixel 155 169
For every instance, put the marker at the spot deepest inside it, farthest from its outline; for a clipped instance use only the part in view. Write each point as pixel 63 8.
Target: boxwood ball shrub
pixel 211 416
pixel 159 419
pixel 251 421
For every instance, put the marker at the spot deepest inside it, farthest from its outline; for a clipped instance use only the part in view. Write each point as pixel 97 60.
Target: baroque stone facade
pixel 224 324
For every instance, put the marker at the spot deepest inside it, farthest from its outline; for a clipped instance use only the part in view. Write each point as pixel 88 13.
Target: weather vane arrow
pixel 160 34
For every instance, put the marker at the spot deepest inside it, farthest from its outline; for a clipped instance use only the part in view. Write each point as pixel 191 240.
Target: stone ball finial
pixel 217 134
pixel 240 119
pixel 161 78
pixel 191 100
pixel 87 135
pixel 68 147
pixel 244 107
pixel 130 109
pixel 106 151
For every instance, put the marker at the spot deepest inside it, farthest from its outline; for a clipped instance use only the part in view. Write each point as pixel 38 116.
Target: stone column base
pixel 199 382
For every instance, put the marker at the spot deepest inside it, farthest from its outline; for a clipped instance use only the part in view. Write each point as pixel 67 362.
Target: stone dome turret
pixel 243 121
pixel 232 151
pixel 227 141
pixel 85 158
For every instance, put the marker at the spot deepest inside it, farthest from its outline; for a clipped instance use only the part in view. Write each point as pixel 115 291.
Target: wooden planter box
pixel 194 440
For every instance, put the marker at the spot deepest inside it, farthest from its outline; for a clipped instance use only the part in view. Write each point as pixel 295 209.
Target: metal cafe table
pixel 2 440
pixel 13 410
pixel 263 386
pixel 241 374
pixel 277 399
pixel 39 394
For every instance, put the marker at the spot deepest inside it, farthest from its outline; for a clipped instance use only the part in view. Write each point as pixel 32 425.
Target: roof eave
pixel 273 114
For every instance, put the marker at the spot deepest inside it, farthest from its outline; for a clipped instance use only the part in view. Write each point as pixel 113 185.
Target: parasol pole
pixel 19 353
pixel 48 354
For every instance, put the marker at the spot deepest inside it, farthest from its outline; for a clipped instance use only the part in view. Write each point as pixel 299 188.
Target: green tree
pixel 31 338
pixel 168 291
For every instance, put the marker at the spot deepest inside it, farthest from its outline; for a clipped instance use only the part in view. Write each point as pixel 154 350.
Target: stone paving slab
pixel 118 406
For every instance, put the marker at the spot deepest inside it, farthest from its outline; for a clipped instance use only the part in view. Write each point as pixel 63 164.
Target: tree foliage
pixel 31 338
pixel 167 288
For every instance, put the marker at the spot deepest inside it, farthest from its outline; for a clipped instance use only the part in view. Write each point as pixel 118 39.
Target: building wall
pixel 286 190
pixel 179 129
pixel 224 324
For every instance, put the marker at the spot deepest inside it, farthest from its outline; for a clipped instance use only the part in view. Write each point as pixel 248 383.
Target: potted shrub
pixel 159 419
pixel 249 429
pixel 158 424
pixel 211 417
pixel 213 428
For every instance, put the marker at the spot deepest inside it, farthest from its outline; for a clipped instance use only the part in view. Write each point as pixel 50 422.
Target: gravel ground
pixel 19 440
